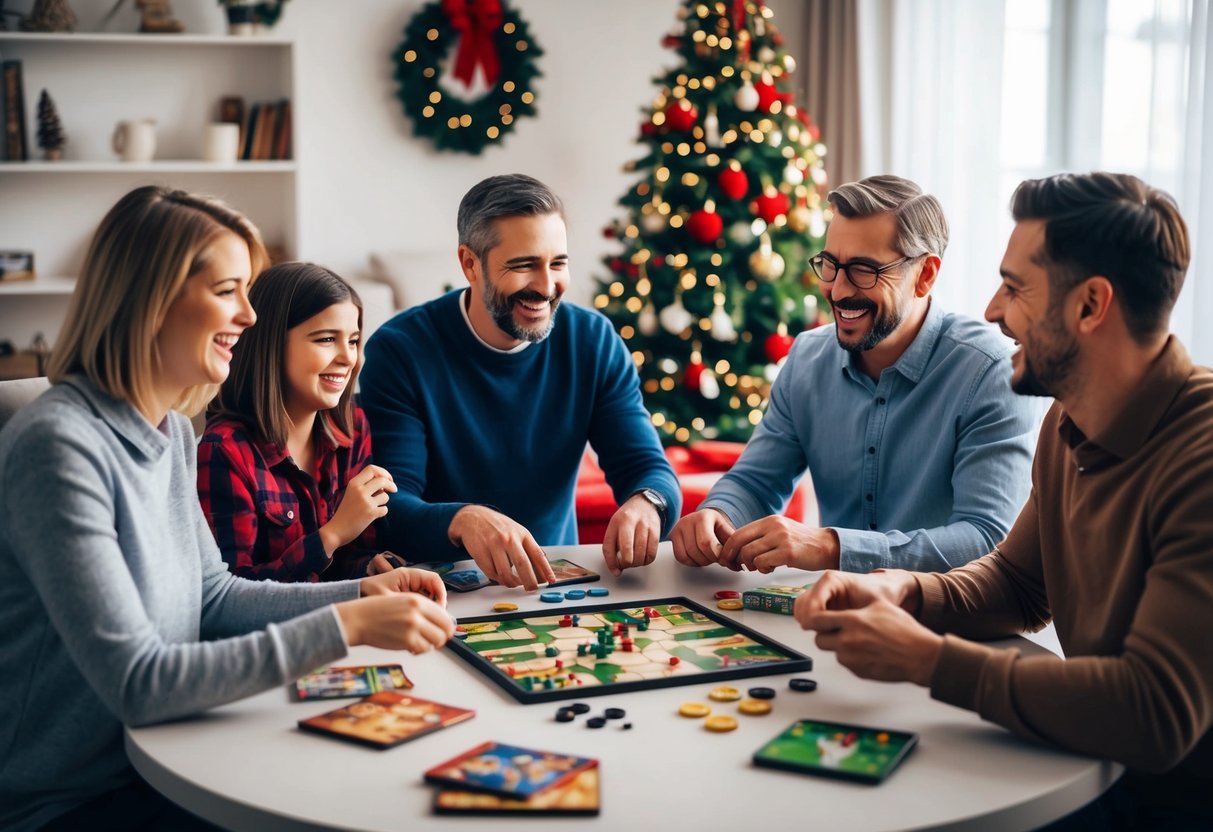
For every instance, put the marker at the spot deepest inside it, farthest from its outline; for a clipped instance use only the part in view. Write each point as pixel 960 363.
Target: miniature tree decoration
pixel 50 129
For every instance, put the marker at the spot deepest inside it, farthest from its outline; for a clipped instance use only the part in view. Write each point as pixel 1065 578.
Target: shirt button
pixel 1082 469
pixel 290 515
pixel 872 449
pixel 880 400
pixel 868 497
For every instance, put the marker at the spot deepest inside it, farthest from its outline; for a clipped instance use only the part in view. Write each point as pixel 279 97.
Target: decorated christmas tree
pixel 713 281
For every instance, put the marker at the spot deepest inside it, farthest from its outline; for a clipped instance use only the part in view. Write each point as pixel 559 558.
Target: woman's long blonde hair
pixel 137 264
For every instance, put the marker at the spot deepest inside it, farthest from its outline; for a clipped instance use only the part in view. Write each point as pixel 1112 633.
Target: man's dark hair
pixel 508 195
pixel 1114 225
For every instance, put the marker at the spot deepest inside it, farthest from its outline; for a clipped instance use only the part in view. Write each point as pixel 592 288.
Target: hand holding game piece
pixel 384 562
pixel 396 621
pixel 405 580
pixel 698 537
pixel 363 501
pixel 503 549
pixel 632 535
pixel 880 641
pixel 775 541
pixel 848 591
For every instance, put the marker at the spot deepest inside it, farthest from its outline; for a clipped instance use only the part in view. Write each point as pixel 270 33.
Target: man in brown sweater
pixel 1115 543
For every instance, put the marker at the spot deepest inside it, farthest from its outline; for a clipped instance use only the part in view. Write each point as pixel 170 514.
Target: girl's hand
pixel 405 580
pixel 364 501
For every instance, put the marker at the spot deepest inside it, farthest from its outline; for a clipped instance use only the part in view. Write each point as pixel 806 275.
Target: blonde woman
pixel 114 602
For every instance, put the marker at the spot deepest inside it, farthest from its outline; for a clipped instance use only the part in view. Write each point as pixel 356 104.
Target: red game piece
pixel 727 593
pixel 849 739
pixel 560 664
pixel 675 661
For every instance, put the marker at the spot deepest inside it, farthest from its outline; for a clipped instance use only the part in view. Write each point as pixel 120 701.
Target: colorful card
pixel 459 576
pixel 567 572
pixel 835 749
pixel 508 770
pixel 342 682
pixel 776 599
pixel 383 720
pixel 579 796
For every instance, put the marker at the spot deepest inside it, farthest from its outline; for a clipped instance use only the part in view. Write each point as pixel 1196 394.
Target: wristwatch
pixel 657 500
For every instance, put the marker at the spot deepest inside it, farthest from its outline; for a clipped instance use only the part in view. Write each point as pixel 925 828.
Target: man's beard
pixel 501 308
pixel 882 327
pixel 1048 372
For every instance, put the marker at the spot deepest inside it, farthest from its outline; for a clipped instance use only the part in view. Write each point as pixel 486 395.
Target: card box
pixel 349 682
pixel 776 599
pixel 508 770
pixel 579 796
pixel 567 572
pixel 384 720
pixel 459 576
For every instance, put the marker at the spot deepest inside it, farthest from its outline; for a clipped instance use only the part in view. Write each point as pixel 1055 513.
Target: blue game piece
pixel 551 597
pixel 575 594
pixel 598 592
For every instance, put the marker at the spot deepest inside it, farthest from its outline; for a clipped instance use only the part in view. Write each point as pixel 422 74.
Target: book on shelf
pixel 250 128
pixel 16 148
pixel 282 139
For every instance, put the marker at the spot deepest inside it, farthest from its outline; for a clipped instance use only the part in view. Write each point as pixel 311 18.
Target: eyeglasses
pixel 862 275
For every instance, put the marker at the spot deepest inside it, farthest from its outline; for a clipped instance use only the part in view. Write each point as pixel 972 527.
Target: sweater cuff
pixel 930 588
pixel 957 675
pixel 862 551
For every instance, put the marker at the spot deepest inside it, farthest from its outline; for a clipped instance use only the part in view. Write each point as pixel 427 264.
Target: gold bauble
pixel 799 219
pixel 766 264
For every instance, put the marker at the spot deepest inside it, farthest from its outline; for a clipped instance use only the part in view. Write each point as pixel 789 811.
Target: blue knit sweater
pixel 458 423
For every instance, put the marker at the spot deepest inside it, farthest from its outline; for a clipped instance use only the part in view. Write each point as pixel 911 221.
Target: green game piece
pixel 551 651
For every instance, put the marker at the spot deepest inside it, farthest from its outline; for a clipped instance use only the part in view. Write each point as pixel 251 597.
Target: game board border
pixel 798 662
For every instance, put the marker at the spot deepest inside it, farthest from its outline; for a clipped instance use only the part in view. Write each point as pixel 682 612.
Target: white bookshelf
pixel 97 80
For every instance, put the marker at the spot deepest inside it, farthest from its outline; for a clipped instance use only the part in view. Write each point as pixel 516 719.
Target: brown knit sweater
pixel 1115 544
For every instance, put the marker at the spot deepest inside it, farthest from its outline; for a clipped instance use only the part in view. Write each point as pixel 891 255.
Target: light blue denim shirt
pixel 924 469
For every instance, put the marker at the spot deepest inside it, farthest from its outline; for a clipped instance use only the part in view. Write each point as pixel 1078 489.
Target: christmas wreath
pixel 491 37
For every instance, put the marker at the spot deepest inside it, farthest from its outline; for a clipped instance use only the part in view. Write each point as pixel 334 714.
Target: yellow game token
pixel 725 694
pixel 504 606
pixel 721 723
pixel 754 707
pixel 694 710
pixel 729 604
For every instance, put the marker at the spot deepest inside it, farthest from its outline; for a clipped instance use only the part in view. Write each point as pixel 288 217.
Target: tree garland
pixel 489 35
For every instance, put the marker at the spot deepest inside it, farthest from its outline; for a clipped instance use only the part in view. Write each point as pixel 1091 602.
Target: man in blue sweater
pixel 481 403
pixel 902 413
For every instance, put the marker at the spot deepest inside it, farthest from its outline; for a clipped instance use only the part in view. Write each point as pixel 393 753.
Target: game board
pixel 602 649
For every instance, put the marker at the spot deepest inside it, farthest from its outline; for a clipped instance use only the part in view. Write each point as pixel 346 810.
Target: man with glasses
pixel 902 413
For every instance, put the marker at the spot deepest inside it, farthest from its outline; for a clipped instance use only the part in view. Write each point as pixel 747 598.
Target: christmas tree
pixel 50 130
pixel 713 281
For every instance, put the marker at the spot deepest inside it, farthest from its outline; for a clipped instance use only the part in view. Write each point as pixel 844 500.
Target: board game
pixel 603 649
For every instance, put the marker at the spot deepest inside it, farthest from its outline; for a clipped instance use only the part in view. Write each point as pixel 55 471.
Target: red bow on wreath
pixel 476 20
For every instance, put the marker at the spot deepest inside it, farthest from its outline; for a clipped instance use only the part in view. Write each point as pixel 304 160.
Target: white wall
pixel 368 184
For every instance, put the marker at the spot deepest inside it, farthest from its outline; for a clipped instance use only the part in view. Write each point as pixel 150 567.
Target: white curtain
pixel 930 76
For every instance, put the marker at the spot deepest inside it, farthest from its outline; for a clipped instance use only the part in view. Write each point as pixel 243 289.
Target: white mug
pixel 221 143
pixel 135 141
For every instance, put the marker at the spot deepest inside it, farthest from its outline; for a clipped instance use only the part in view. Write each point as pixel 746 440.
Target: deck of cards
pixel 495 778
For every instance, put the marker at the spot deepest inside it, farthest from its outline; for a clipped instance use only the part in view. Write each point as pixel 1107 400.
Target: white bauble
pixel 740 233
pixel 746 98
pixel 722 325
pixel 646 323
pixel 793 175
pixel 675 317
pixel 653 222
pixel 709 387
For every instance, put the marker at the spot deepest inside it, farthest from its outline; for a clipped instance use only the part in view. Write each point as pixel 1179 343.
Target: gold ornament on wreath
pixel 485 36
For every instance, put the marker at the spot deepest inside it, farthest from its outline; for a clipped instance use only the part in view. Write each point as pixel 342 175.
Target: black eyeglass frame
pixel 821 258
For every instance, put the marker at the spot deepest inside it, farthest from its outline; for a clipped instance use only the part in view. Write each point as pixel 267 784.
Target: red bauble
pixel 692 376
pixel 705 226
pixel 647 128
pixel 608 232
pixel 777 346
pixel 681 116
pixel 771 205
pixel 671 41
pixel 733 182
pixel 632 270
pixel 768 95
pixel 616 265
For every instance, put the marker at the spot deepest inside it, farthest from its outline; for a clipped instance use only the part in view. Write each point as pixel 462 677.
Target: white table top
pixel 246 766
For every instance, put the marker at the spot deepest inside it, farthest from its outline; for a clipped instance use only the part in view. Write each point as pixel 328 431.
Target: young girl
pixel 284 468
pixel 114 603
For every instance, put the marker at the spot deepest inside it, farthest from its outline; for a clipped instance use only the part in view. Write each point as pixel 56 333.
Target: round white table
pixel 246 766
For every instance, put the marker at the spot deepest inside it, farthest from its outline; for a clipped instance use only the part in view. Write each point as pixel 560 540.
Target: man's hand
pixel 364 501
pixel 880 641
pixel 396 621
pixel 503 549
pixel 848 591
pixel 698 537
pixel 404 580
pixel 779 541
pixel 632 535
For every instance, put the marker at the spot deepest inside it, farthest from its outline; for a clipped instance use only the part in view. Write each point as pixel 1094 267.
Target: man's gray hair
pixel 509 195
pixel 921 225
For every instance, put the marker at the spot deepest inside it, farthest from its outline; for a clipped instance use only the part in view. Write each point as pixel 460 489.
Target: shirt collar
pixel 465 298
pixel 123 417
pixel 1140 415
pixel 913 361
pixel 274 454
